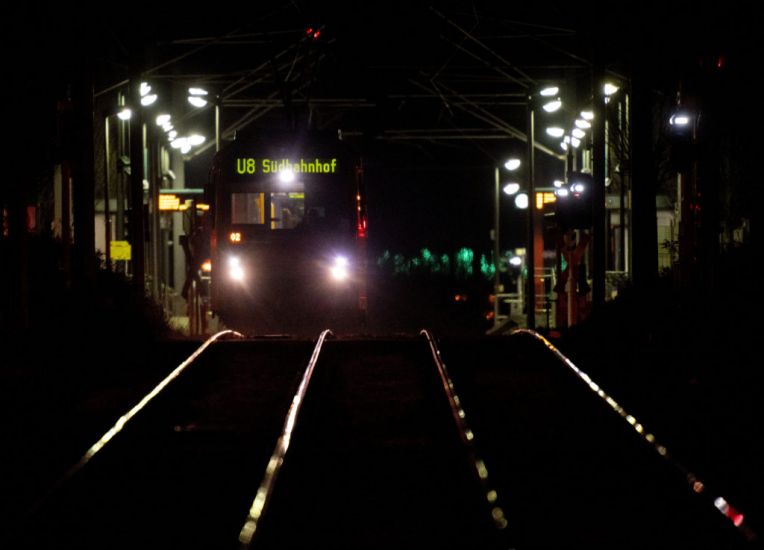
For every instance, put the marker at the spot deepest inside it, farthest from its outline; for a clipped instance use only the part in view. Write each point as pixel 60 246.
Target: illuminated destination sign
pixel 252 165
pixel 169 202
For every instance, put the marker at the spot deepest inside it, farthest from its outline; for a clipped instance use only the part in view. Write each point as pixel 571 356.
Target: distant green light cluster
pixel 464 259
pixel 461 265
pixel 487 268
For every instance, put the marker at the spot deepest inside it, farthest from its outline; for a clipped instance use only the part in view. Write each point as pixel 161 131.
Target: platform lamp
pixel 549 100
pixel 199 98
pixel 511 165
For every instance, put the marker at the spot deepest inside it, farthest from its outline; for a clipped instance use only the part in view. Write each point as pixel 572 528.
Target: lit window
pixel 248 208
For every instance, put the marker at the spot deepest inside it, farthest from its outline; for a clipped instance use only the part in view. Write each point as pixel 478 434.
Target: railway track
pixel 377 459
pixel 368 444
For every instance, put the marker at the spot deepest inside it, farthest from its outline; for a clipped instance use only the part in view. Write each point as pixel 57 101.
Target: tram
pixel 287 234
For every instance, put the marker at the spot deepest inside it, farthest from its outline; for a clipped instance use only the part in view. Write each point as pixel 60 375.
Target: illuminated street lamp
pixel 198 98
pixel 147 97
pixel 552 106
pixel 551 103
pixel 679 119
pixel 511 188
pixel 196 139
pixel 609 89
pixel 141 94
pixel 510 165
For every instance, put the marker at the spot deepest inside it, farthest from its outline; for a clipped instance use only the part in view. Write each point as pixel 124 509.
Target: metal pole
pixel 625 174
pixel 496 245
pixel 598 193
pixel 106 212
pixel 529 252
pixel 570 288
pixel 136 187
pixel 217 123
pixel 154 231
pixel 120 184
pixel 496 248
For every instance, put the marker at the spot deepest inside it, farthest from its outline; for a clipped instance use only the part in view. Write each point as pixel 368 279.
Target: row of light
pixel 522 200
pixel 576 189
pixel 720 503
pixel 196 97
pixel 147 98
pixel 553 104
pixel 582 123
pixel 512 188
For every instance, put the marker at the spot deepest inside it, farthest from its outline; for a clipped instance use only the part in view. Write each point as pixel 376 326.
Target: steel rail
pixel 273 468
pixel 696 485
pixel 112 432
pixel 466 434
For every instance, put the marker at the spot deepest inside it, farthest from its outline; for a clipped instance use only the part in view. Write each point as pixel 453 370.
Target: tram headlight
pixel 340 269
pixel 235 269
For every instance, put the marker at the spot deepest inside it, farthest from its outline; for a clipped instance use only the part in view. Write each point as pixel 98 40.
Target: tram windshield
pixel 248 208
pixel 279 210
pixel 287 210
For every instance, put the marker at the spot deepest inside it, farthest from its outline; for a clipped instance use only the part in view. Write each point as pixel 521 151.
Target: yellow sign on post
pixel 120 250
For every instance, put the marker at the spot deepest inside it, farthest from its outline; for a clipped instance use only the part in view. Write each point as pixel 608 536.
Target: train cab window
pixel 248 208
pixel 287 210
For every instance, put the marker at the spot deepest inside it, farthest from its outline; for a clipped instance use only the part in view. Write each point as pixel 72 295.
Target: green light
pixel 430 261
pixel 401 266
pixel 446 263
pixel 464 259
pixel 384 258
pixel 487 269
